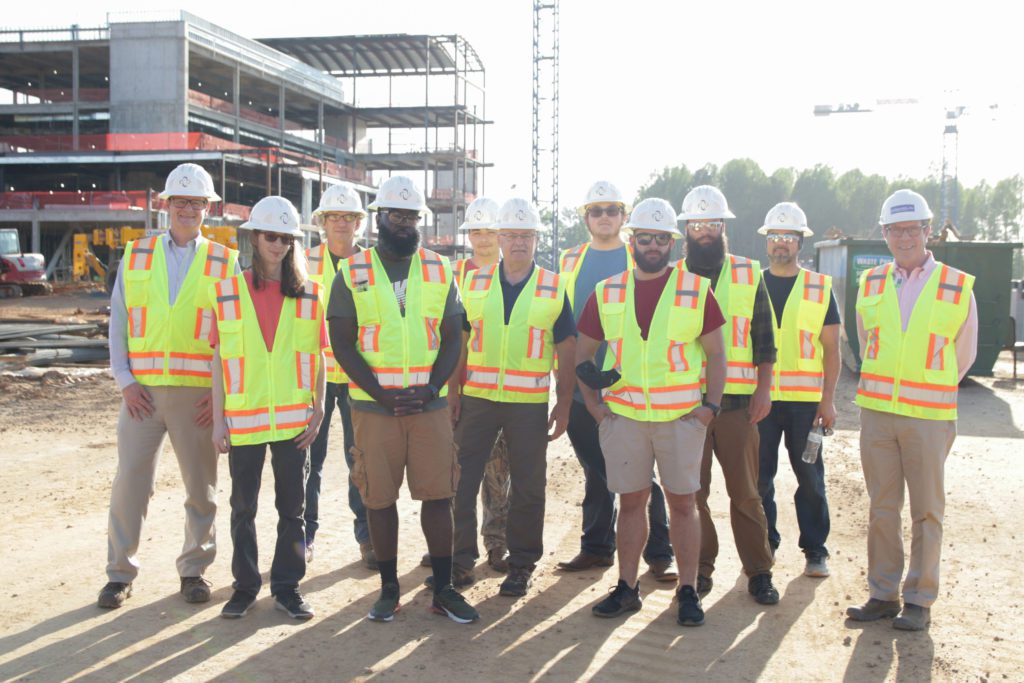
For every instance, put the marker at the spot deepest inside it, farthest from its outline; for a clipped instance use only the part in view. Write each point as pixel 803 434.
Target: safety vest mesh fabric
pixel 735 291
pixel 511 363
pixel 170 345
pixel 268 395
pixel 321 271
pixel 660 375
pixel 913 373
pixel 799 372
pixel 571 262
pixel 400 350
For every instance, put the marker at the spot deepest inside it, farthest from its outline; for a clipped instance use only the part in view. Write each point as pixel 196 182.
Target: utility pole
pixel 545 112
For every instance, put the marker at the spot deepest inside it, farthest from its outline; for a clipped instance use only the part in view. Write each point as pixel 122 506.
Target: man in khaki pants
pixel 917 321
pixel 160 321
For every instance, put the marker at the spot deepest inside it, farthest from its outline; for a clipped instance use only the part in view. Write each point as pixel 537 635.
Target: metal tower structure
pixel 545 112
pixel 949 197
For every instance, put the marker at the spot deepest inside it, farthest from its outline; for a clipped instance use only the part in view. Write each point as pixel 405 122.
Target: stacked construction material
pixel 46 343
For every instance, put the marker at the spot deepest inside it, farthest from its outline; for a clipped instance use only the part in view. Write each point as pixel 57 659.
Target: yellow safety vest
pixel 511 362
pixel 572 261
pixel 735 290
pixel 912 373
pixel 268 395
pixel 170 345
pixel 660 376
pixel 321 270
pixel 799 371
pixel 400 350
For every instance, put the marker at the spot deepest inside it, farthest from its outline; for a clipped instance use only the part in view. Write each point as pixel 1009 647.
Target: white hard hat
pixel 481 214
pixel 705 202
pixel 518 214
pixel 904 205
pixel 342 198
pixel 190 180
pixel 785 216
pixel 274 214
pixel 399 192
pixel 602 192
pixel 653 214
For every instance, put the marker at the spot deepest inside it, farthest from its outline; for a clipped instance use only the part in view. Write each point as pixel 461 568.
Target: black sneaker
pixel 387 604
pixel 195 589
pixel 516 583
pixel 704 585
pixel 114 594
pixel 622 599
pixel 293 605
pixel 238 605
pixel 452 605
pixel 760 586
pixel 460 578
pixel 690 611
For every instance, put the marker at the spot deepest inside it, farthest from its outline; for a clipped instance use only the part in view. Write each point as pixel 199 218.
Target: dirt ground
pixel 59 456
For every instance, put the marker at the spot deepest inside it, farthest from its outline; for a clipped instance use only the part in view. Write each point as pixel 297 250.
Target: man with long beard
pixel 395 315
pixel 750 353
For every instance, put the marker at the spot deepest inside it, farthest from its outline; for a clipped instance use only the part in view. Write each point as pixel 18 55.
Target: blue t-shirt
pixel 597 266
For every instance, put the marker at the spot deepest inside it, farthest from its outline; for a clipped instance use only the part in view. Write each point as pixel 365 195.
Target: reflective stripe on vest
pixel 191 364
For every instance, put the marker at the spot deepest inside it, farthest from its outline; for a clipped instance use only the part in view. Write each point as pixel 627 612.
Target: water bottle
pixel 813 447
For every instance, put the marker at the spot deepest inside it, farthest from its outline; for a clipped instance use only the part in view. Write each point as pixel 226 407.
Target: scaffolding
pixel 545 113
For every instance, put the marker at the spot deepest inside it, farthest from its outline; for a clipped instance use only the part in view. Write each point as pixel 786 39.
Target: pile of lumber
pixel 47 343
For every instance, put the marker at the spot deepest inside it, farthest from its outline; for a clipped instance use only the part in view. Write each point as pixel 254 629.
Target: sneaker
pixel 369 558
pixel 238 605
pixel 760 586
pixel 516 583
pixel 387 604
pixel 309 552
pixel 622 599
pixel 460 577
pixel 451 604
pixel 704 585
pixel 195 589
pixel 293 605
pixel 817 566
pixel 690 611
pixel 497 558
pixel 114 594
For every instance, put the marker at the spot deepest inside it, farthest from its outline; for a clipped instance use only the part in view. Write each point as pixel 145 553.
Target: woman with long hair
pixel 269 388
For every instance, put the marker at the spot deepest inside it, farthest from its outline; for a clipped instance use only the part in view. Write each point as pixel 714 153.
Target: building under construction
pixel 93 119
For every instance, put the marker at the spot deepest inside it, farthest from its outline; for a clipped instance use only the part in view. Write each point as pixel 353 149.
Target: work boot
pixel 367 555
pixel 497 558
pixel 195 589
pixel 516 583
pixel 114 594
pixel 913 618
pixel 585 560
pixel 760 586
pixel 873 610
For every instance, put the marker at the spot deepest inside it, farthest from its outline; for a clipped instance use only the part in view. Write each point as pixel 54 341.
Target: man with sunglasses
pixel 917 322
pixel 750 353
pixel 161 316
pixel 395 316
pixel 604 213
pixel 806 319
pixel 340 214
pixel 660 323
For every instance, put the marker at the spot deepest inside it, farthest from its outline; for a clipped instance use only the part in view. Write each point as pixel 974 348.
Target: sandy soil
pixel 59 454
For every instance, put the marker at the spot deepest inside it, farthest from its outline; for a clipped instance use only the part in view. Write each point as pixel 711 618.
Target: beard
pixel 648 266
pixel 781 258
pixel 710 256
pixel 401 245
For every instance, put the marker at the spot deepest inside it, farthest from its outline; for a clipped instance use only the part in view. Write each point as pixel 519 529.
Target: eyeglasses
pixel 403 216
pixel 911 231
pixel 341 217
pixel 645 238
pixel 784 238
pixel 272 237
pixel 610 211
pixel 197 204
pixel 711 226
pixel 517 236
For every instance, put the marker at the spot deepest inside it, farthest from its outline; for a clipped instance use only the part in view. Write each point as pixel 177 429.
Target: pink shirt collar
pixel 921 272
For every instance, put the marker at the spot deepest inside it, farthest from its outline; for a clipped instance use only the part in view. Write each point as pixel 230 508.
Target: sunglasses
pixel 713 226
pixel 783 238
pixel 197 204
pixel 272 237
pixel 404 216
pixel 645 238
pixel 610 211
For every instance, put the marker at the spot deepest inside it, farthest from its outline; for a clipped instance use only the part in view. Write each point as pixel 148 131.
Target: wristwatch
pixel 715 408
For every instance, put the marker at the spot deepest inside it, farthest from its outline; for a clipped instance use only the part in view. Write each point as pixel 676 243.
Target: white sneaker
pixel 817 566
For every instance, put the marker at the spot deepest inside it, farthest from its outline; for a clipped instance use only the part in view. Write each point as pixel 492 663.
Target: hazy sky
pixel 647 84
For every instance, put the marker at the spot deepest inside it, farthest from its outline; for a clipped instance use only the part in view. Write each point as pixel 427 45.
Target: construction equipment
pixel 20 273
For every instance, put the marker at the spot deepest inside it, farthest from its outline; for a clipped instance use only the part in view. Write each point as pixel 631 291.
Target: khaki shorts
pixel 388 446
pixel 632 447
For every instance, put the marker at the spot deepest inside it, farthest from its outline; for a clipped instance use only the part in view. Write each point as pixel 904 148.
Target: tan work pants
pixel 895 449
pixel 139 444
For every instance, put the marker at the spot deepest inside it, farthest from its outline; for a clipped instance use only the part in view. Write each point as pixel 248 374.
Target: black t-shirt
pixel 565 325
pixel 779 289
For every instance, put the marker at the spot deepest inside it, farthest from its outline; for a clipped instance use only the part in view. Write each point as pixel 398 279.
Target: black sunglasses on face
pixel 645 238
pixel 272 237
pixel 610 211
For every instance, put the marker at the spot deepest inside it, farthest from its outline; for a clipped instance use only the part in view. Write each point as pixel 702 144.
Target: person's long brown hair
pixel 293 268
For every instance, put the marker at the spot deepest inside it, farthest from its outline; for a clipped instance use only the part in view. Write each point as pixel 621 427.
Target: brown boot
pixel 585 560
pixel 497 558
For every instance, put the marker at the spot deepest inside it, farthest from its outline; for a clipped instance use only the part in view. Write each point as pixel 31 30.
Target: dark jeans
pixel 337 394
pixel 599 506
pixel 793 420
pixel 290 467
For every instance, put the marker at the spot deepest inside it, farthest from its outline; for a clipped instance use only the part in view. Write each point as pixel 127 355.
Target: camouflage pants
pixel 494 496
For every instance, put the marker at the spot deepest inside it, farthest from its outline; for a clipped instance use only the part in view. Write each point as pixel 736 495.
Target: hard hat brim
pixel 516 226
pixel 582 211
pixel 727 214
pixel 320 210
pixel 632 227
pixel 250 225
pixel 213 196
pixel 477 226
pixel 805 231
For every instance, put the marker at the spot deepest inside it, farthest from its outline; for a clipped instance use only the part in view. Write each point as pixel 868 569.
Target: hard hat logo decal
pixel 185 182
pixel 601 191
pixel 658 215
pixel 478 216
pixel 703 206
pixel 520 215
pixel 902 208
pixel 782 218
pixel 404 194
pixel 286 219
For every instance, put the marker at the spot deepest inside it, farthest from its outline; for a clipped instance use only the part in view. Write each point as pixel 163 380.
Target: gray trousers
pixel 525 426
pixel 139 444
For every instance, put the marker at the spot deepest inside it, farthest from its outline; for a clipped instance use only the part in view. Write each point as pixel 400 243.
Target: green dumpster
pixel 990 262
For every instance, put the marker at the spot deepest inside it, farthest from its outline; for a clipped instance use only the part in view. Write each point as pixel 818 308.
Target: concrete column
pixel 148 78
pixel 74 98
pixel 280 110
pixel 36 241
pixel 307 199
pixel 236 86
